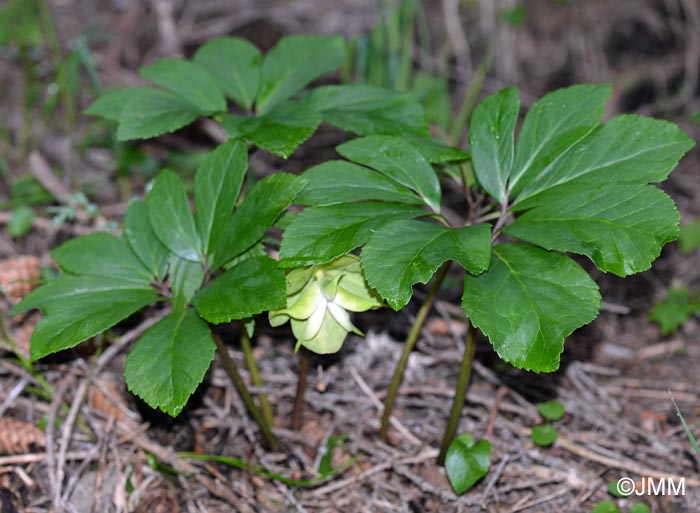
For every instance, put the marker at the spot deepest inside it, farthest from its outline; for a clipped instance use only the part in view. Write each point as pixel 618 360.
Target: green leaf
pixel 622 228
pixel 367 109
pixel 101 254
pixel 294 63
pixel 171 217
pixel 640 508
pixel 434 151
pixel 235 64
pixel 258 211
pixel 467 462
pixel 110 104
pixel 338 181
pixel 189 80
pixel 185 279
pixel 544 435
pixel 554 124
pixel 433 92
pixel 399 160
pixel 528 301
pixel 253 286
pixel 279 132
pixel 76 312
pixel 606 507
pixel 20 221
pixel 216 186
pixel 169 361
pixel 627 149
pixel 321 234
pixel 403 253
pixel 491 140
pixel 614 489
pixel 143 241
pixel 66 288
pixel 154 112
pixel 674 311
pixel 690 236
pixel 552 410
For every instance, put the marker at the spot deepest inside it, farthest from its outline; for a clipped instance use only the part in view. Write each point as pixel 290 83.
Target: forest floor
pixel 100 450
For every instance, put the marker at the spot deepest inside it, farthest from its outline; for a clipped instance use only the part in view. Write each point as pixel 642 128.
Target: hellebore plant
pixel 567 184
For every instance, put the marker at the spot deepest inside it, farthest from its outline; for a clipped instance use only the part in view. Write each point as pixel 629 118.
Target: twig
pixel 23 459
pixel 541 500
pixel 634 468
pixel 502 391
pixel 377 403
pixel 338 485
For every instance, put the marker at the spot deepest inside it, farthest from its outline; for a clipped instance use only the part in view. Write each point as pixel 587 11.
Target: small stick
pixel 298 413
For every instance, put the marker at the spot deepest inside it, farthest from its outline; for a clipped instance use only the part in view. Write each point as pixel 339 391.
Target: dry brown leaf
pixel 19 437
pixel 19 275
pixel 103 395
pixel 159 500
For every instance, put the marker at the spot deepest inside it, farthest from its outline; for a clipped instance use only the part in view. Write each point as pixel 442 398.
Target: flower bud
pixel 319 299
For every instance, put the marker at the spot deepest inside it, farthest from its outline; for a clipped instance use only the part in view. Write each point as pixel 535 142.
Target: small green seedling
pixel 639 507
pixel 544 435
pixel 552 410
pixel 674 311
pixel 467 462
pixel 606 507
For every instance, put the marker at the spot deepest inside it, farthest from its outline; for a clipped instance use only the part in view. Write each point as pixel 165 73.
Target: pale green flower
pixel 319 299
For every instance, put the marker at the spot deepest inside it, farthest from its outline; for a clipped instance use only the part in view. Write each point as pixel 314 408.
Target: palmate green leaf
pixel 154 112
pixel 250 287
pixel 466 462
pixel 554 124
pixel 216 186
pixel 235 64
pixel 399 160
pixel 528 301
pixel 321 234
pixel 111 103
pixel 627 149
pixel 78 308
pixel 185 279
pixel 367 109
pixel 338 181
pixel 622 228
pixel 143 241
pixel 294 63
pixel 279 132
pixel 170 360
pixel 403 253
pixel 189 80
pixel 101 254
pixel 491 140
pixel 258 211
pixel 171 218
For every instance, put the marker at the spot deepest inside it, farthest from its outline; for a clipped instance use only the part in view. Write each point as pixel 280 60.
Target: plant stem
pixel 245 395
pixel 465 110
pixel 255 373
pixel 301 388
pixel 465 372
pixel 408 347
